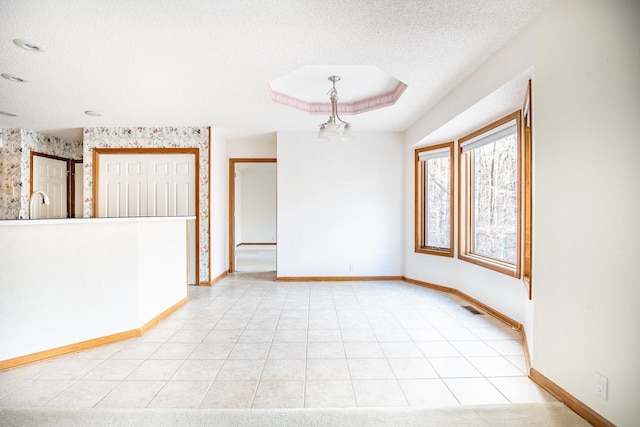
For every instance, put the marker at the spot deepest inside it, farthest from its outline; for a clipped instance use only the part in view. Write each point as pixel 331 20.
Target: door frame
pixel 69 163
pixel 232 204
pixel 72 189
pixel 97 152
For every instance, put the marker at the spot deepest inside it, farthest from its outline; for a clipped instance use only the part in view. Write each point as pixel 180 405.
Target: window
pixel 434 196
pixel 490 196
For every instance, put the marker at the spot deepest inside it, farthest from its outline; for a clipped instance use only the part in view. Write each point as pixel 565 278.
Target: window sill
pixel 495 265
pixel 434 251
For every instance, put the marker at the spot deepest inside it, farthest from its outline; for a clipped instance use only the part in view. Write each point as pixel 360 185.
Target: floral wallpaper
pixel 15 153
pixel 10 190
pixel 160 137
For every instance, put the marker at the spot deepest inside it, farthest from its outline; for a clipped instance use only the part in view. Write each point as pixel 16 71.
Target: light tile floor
pixel 252 342
pixel 255 258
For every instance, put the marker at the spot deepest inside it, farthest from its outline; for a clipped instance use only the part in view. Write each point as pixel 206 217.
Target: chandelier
pixel 332 126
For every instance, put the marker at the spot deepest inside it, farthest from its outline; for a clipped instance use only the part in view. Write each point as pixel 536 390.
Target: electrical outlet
pixel 600 385
pixel 352 267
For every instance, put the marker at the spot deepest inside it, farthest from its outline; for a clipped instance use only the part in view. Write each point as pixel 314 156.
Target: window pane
pixel 438 204
pixel 495 199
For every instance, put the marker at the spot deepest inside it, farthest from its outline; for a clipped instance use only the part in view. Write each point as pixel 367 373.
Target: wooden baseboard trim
pixel 525 348
pixel 153 322
pixel 85 345
pixel 218 277
pixel 504 319
pixel 574 404
pixel 336 278
pixel 433 286
pixel 71 348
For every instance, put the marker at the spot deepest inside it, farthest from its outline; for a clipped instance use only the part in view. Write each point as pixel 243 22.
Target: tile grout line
pixel 244 297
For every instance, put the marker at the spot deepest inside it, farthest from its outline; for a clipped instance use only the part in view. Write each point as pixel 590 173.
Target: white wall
pixel 219 199
pixel 258 206
pixel 340 203
pixel 161 265
pixel 584 315
pixel 586 234
pixel 67 281
pixel 256 147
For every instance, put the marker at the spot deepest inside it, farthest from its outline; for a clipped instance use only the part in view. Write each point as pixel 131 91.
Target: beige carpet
pixel 534 414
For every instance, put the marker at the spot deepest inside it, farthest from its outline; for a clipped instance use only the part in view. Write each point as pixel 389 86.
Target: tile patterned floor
pixel 255 258
pixel 251 342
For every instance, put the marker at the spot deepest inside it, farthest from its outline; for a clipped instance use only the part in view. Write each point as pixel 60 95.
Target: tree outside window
pixel 490 196
pixel 495 199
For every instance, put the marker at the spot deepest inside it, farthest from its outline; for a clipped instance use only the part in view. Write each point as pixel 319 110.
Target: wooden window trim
pixel 465 212
pixel 420 203
pixel 527 122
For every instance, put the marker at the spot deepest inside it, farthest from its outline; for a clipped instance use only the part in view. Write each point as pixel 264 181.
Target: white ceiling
pixel 208 63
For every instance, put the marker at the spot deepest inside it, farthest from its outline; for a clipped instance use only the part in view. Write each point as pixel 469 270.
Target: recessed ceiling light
pixel 93 113
pixel 13 78
pixel 6 113
pixel 28 45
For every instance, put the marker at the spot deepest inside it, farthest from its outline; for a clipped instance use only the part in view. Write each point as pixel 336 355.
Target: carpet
pixel 533 414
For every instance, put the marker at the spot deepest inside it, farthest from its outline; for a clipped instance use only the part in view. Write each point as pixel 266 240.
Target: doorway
pixel 252 215
pixel 50 174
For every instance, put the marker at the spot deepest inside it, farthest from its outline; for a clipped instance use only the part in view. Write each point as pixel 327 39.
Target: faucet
pixel 45 200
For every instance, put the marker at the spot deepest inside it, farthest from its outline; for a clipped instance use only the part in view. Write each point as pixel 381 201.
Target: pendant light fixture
pixel 332 126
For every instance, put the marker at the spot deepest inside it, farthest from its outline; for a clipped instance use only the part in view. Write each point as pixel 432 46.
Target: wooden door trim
pixel 232 203
pixel 71 193
pixel 97 152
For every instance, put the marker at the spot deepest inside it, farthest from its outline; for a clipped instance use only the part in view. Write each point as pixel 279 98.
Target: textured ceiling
pixel 208 63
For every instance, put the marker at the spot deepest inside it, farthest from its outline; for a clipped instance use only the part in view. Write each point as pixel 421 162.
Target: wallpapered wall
pixel 15 153
pixel 161 137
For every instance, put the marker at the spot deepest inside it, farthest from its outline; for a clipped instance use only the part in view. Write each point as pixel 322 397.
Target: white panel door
pixel 171 187
pixel 122 186
pixel 150 185
pixel 50 175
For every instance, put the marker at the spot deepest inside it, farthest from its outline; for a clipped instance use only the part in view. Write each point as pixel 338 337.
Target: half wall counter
pixel 70 284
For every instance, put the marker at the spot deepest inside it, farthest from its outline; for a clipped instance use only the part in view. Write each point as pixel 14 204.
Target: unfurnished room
pixel 319 213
